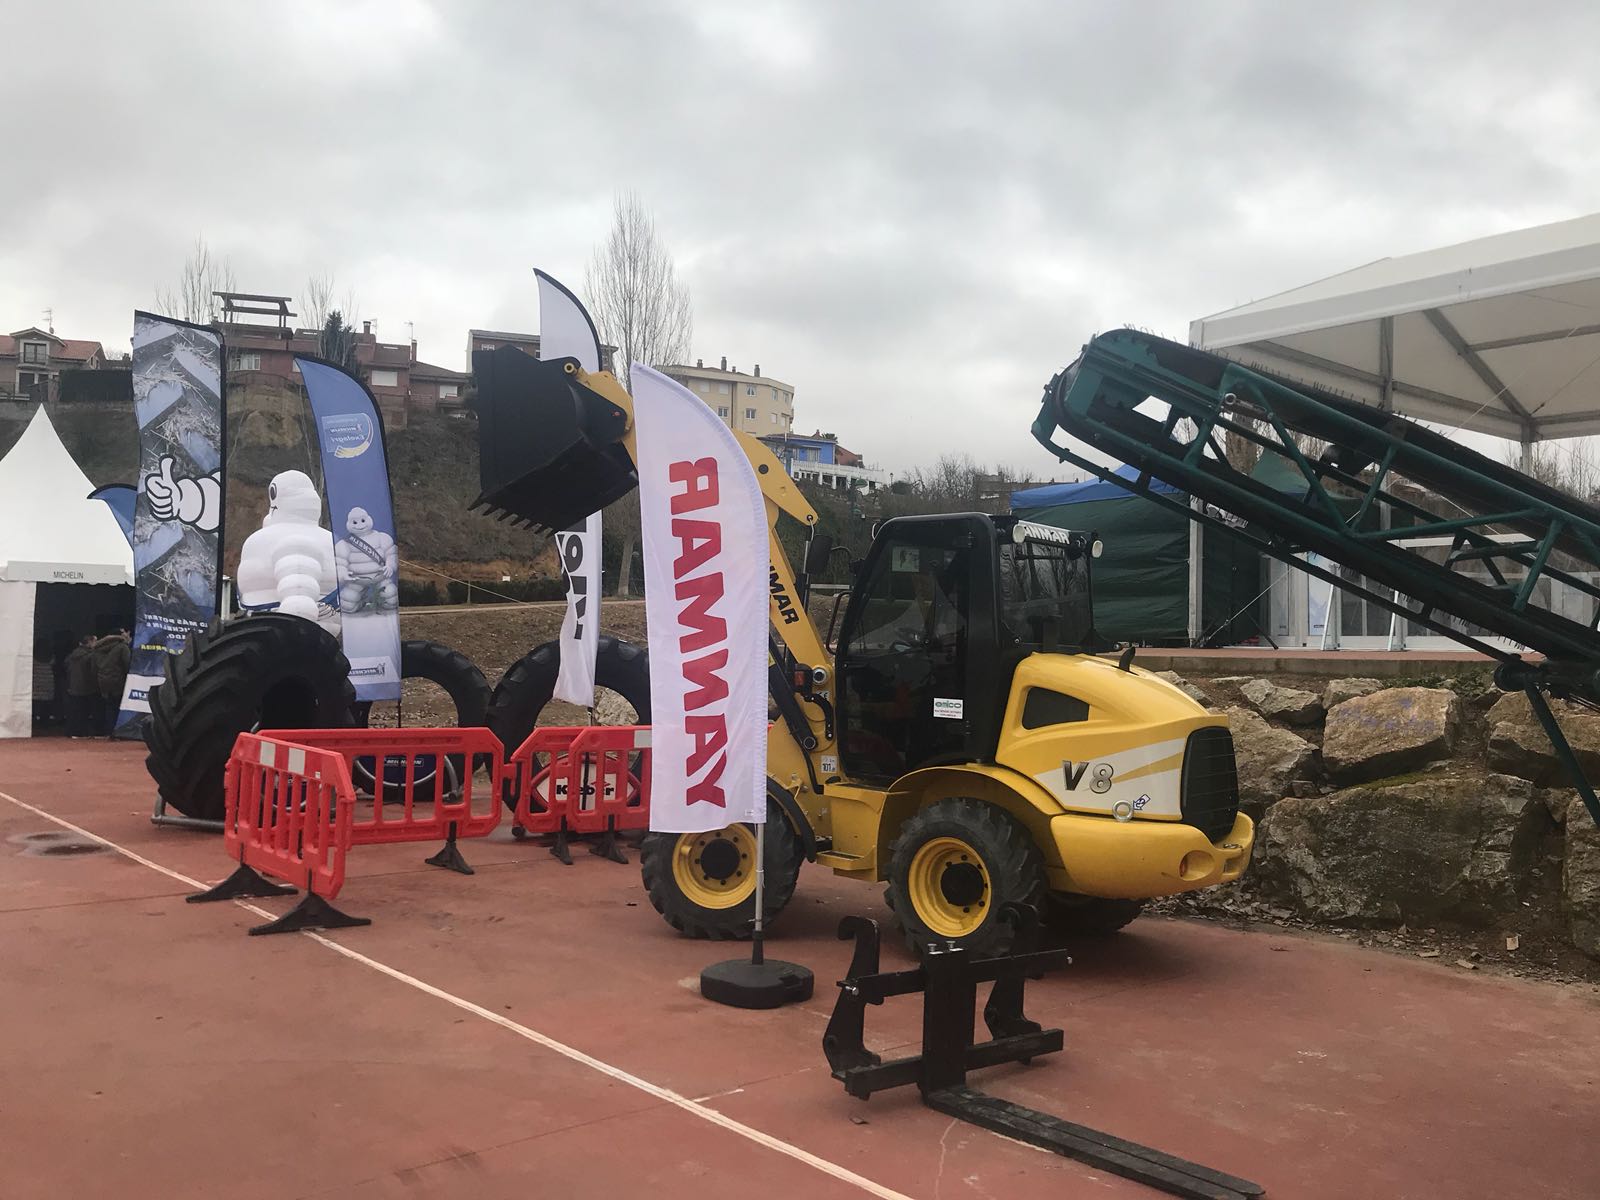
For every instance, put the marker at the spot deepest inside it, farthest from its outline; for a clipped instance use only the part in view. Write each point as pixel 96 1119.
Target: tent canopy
pixel 50 531
pixel 1500 335
pixel 1051 494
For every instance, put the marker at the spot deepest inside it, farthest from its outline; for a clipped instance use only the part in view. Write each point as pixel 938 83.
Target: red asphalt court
pixel 534 1030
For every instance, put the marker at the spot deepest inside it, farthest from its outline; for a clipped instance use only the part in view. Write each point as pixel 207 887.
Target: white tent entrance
pixel 51 533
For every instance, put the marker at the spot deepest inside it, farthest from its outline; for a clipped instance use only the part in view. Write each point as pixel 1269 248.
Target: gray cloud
pixel 913 212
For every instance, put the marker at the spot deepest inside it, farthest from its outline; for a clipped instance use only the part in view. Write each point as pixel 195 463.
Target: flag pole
pixel 757 957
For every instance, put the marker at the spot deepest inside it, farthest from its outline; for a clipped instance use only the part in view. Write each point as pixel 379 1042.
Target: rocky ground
pixel 1430 818
pixel 1426 816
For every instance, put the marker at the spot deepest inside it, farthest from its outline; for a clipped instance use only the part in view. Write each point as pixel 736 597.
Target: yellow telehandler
pixel 963 742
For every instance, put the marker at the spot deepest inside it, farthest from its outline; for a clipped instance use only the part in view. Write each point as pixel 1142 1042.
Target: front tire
pixel 1089 916
pixel 703 884
pixel 955 865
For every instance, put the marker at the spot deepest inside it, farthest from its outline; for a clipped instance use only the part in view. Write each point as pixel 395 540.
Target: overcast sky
pixel 913 212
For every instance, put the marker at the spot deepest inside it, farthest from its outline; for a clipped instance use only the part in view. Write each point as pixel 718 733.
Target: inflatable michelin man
pixel 287 564
pixel 368 564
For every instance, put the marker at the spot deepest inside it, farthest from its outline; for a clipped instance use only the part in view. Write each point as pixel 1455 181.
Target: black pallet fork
pixel 948 978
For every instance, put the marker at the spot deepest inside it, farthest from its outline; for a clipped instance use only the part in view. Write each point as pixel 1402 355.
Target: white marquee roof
pixel 1500 335
pixel 50 531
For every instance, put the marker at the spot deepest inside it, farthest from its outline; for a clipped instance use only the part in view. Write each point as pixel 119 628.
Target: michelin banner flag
pixel 705 552
pixel 355 479
pixel 566 331
pixel 177 514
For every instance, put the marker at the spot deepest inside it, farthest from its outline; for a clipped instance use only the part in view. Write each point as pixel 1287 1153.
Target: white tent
pixel 50 532
pixel 1500 335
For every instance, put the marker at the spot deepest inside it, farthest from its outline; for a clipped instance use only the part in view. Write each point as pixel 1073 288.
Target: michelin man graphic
pixel 368 564
pixel 288 563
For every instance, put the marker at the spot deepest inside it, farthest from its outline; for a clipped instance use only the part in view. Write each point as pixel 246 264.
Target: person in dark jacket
pixel 111 669
pixel 83 690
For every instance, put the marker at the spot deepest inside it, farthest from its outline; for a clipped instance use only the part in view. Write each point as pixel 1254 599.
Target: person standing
pixel 111 670
pixel 83 689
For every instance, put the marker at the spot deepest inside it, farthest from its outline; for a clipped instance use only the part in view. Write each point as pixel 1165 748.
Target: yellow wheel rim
pixel 718 869
pixel 949 887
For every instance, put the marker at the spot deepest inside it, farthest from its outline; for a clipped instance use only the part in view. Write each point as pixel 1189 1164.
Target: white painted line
pixel 667 1095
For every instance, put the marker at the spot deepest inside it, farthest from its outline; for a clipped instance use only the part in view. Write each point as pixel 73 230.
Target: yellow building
pixel 754 403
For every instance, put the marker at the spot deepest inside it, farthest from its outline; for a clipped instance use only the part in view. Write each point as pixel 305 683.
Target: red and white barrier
pixel 592 779
pixel 297 800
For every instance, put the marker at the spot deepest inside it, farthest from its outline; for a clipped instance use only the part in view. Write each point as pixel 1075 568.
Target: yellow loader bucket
pixel 549 449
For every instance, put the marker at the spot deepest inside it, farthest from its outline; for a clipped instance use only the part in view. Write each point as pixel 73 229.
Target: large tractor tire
pixel 1089 916
pixel 530 682
pixel 954 866
pixel 266 671
pixel 704 884
pixel 468 690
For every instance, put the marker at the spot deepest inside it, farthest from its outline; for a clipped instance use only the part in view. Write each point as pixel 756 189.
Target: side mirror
pixel 818 554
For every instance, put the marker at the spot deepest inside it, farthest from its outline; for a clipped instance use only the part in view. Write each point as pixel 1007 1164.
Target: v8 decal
pixel 1100 775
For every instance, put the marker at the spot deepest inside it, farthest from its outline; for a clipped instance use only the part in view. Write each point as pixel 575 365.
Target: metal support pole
pixel 757 951
pixel 1197 574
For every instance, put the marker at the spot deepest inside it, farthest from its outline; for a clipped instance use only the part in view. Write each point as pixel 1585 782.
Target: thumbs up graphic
pixel 162 491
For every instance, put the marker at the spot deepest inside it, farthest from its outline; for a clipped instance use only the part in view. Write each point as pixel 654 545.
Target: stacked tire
pixel 530 683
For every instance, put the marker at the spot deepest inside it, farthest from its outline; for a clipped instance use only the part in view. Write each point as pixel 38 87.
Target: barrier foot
pixel 519 833
pixel 607 847
pixel 245 881
pixel 561 849
pixel 313 912
pixel 449 857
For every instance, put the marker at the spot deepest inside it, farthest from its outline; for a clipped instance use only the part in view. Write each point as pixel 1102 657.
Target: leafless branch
pixel 193 297
pixel 634 293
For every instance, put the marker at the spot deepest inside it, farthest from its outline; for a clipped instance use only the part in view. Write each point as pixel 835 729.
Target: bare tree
pixel 634 291
pixel 950 485
pixel 1570 467
pixel 193 297
pixel 643 309
pixel 321 300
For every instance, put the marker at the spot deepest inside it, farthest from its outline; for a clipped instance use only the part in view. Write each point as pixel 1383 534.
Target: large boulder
pixel 1269 759
pixel 1340 690
pixel 1580 880
pixel 1518 745
pixel 1281 703
pixel 1184 686
pixel 1436 848
pixel 1390 732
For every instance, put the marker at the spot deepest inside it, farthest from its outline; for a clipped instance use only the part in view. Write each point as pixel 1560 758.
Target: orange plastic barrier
pixel 592 779
pixel 422 782
pixel 288 813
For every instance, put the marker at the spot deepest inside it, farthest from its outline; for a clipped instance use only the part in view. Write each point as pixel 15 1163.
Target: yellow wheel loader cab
pixel 963 743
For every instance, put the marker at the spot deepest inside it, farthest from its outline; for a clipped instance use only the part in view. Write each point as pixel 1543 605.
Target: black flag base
pixel 742 983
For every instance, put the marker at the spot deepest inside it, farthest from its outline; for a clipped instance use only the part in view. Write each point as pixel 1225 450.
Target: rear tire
pixel 266 671
pixel 954 866
pixel 703 884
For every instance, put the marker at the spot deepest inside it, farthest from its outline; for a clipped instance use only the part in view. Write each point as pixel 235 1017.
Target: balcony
pixel 840 478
